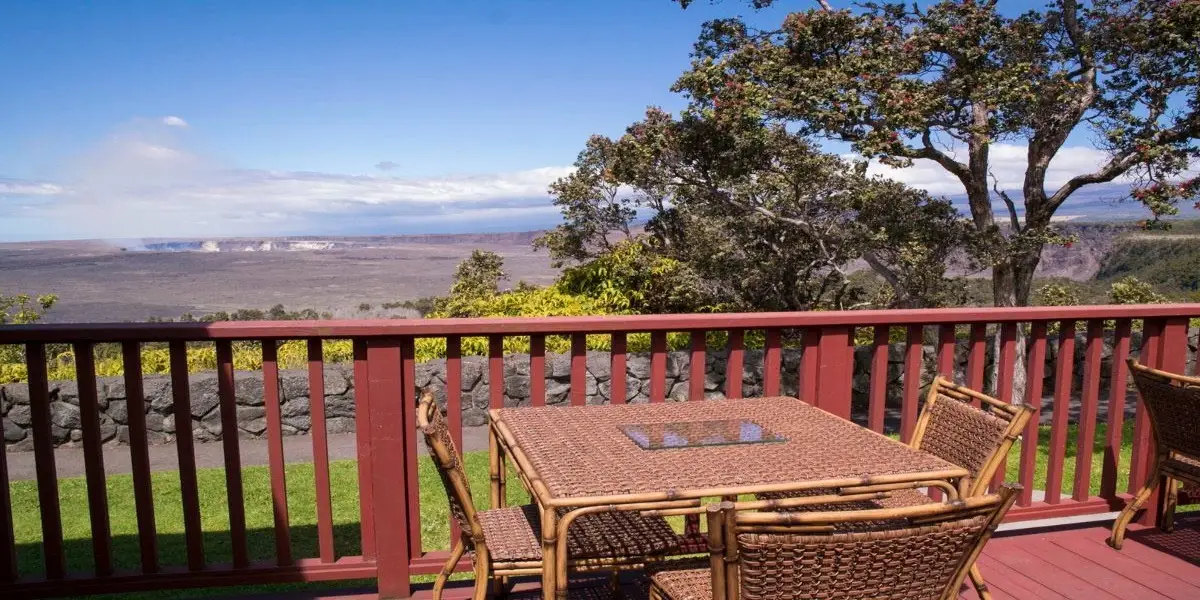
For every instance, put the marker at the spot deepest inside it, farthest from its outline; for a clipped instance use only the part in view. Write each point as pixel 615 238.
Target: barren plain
pixel 100 282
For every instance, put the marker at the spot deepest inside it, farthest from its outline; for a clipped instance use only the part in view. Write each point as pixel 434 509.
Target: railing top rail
pixel 243 330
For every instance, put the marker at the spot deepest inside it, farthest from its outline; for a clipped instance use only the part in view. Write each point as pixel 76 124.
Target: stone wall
pixel 339 392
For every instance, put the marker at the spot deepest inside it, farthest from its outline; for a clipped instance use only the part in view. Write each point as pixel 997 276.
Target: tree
pixel 19 309
pixel 479 275
pixel 597 212
pixel 762 217
pixel 944 83
pixel 476 278
pixel 1131 290
pixel 631 277
pixel 1057 294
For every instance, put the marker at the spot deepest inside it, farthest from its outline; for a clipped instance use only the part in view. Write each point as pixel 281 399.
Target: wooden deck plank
pixel 1148 556
pixel 1062 581
pixel 1163 583
pixel 1066 564
pixel 1097 574
pixel 1000 576
pixel 998 593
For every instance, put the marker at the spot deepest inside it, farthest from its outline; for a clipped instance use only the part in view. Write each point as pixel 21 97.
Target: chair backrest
pixel 450 469
pixel 1173 404
pixel 976 439
pixel 915 553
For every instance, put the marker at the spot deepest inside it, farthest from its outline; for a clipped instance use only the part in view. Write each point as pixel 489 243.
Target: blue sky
pixel 136 118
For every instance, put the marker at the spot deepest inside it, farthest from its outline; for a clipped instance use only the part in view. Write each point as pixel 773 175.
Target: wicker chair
pixel 923 554
pixel 1173 405
pixel 504 542
pixel 976 439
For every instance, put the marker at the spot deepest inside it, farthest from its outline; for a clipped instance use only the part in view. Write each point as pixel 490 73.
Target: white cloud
pixel 145 179
pixel 173 121
pixel 154 152
pixel 1008 163
pixel 11 187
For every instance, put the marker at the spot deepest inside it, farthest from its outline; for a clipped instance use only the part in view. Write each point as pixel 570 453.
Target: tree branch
pixel 928 151
pixel 825 5
pixel 1119 164
pixel 1115 167
pixel 1012 207
pixel 1070 13
pixel 886 273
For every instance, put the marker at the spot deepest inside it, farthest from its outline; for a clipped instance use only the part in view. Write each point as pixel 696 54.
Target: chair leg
pixel 657 594
pixel 981 587
pixel 1117 539
pixel 440 583
pixel 483 573
pixel 1170 501
pixel 614 584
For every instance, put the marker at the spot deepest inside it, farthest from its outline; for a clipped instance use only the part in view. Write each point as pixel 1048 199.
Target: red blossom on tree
pixel 975 75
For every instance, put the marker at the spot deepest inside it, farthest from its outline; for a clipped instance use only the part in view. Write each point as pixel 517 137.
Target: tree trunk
pixel 1011 286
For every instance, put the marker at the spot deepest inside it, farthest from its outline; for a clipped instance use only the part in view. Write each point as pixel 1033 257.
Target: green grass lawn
pixel 214 514
pixel 302 509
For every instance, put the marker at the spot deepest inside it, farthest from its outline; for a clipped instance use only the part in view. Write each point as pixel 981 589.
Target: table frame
pixel 502 445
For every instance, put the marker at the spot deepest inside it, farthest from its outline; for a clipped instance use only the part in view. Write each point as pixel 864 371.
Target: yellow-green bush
pixel 247 356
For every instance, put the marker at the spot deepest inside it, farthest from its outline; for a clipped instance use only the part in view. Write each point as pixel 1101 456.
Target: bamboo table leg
pixel 496 499
pixel 561 556
pixel 495 468
pixel 550 581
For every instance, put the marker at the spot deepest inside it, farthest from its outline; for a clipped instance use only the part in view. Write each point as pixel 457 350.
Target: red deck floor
pixel 1076 563
pixel 1069 563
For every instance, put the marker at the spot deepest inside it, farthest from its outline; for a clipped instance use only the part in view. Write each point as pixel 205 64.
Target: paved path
pixel 163 457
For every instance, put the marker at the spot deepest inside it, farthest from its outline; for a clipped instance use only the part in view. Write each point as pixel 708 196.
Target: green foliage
pixel 596 210
pixel 422 306
pixel 1173 264
pixel 525 302
pixel 1056 294
pixel 19 309
pixel 763 219
pixel 899 82
pixel 1130 290
pixel 275 313
pixel 247 356
pixel 475 279
pixel 632 278
pixel 479 275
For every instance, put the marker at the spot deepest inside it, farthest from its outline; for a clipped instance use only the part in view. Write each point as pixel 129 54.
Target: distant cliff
pixel 1082 260
pixel 312 243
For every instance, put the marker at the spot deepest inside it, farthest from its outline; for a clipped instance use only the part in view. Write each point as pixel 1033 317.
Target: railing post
pixel 914 361
pixel 1172 356
pixel 1143 452
pixel 835 371
pixel 389 494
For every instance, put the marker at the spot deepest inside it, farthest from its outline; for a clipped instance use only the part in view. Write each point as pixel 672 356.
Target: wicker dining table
pixel 646 457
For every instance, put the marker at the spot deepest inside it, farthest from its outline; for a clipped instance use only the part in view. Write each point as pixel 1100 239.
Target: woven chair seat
pixel 1189 467
pixel 897 499
pixel 513 534
pixel 863 570
pixel 684 584
pixel 592 592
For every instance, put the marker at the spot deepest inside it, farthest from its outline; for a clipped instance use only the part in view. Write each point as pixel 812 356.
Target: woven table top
pixel 581 451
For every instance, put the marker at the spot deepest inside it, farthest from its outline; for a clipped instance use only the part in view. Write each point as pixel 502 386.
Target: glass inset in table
pixel 693 434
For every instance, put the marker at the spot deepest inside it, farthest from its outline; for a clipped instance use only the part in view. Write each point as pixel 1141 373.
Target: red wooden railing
pixel 390 546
